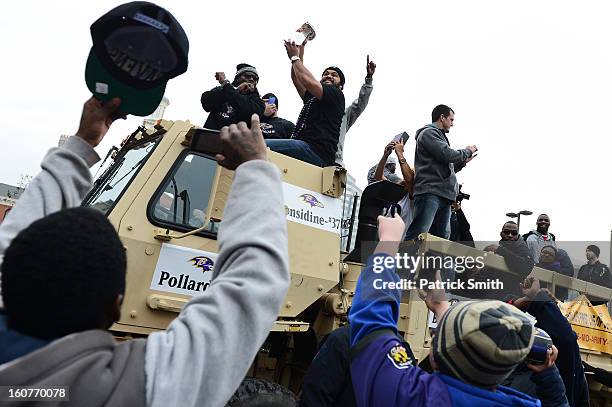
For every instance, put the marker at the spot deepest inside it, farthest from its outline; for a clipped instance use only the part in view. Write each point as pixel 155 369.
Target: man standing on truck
pixel 233 102
pixel 63 281
pixel 317 131
pixel 435 183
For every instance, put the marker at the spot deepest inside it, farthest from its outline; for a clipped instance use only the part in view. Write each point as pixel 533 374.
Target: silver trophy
pixel 303 34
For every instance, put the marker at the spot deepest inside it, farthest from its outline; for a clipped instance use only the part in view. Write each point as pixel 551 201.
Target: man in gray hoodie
pixel 435 184
pixel 204 354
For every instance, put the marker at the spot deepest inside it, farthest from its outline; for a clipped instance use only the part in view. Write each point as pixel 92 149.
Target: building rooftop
pixel 10 191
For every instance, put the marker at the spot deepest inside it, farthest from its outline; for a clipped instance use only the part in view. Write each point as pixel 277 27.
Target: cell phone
pixel 403 136
pixel 272 100
pixel 206 141
pixel 539 350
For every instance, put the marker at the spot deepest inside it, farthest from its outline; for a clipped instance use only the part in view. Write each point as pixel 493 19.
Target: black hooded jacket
pixel 228 106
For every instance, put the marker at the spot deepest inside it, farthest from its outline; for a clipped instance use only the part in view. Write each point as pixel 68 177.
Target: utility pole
pixel 518 216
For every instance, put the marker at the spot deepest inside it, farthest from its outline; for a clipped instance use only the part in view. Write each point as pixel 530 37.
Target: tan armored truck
pixel 166 200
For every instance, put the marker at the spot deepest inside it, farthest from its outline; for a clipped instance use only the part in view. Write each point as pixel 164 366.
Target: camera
pixel 539 350
pixel 461 196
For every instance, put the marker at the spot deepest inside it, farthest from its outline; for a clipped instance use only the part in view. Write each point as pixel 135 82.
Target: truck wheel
pixel 261 393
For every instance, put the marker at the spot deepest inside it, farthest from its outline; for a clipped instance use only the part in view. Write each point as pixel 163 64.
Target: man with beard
pixel 233 102
pixel 316 134
pixel 518 258
pixel 273 126
pixel 537 239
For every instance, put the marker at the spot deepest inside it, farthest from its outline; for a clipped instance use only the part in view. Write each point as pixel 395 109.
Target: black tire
pixel 261 393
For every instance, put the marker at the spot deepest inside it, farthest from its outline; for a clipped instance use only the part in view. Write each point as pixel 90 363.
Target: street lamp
pixel 518 216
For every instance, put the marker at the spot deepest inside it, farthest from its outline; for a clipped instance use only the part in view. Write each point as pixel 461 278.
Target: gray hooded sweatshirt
pixel 204 354
pixel 351 114
pixel 436 164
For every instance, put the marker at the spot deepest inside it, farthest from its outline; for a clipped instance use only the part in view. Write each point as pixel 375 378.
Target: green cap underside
pixel 139 102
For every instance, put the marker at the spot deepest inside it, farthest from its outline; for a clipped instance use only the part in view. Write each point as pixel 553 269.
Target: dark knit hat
pixel 339 71
pixel 244 68
pixel 594 249
pixel 481 342
pixel 270 95
pixel 61 274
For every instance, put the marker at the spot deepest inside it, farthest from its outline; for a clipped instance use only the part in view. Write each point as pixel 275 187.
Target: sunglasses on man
pixel 510 232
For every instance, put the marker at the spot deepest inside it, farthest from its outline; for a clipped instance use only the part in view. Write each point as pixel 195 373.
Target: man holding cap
pixel 273 126
pixel 233 102
pixel 595 272
pixel 316 134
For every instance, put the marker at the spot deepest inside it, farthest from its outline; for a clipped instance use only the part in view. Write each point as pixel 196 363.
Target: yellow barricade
pixel 592 324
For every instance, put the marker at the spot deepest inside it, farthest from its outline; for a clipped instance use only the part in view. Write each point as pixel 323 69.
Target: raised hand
pixel 241 144
pixel 370 67
pixel 551 356
pixel 220 77
pixel 293 50
pixel 391 229
pixel 246 87
pixel 97 118
pixel 399 148
pixel 389 148
pixel 530 286
pixel 270 109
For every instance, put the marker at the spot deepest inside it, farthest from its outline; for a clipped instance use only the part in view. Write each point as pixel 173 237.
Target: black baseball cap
pixel 338 71
pixel 137 48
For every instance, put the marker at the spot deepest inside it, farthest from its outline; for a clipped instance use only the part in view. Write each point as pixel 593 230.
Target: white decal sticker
pixel 182 270
pixel 312 209
pixel 102 88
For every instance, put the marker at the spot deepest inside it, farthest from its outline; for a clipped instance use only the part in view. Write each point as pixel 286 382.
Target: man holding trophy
pixel 316 134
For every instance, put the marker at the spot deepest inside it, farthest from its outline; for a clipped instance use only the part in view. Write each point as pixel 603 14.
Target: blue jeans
pixel 431 214
pixel 297 149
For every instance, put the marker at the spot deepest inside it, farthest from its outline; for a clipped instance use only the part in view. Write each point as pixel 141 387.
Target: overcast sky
pixel 529 82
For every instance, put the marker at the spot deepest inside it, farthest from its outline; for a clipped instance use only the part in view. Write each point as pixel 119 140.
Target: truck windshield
pixel 111 184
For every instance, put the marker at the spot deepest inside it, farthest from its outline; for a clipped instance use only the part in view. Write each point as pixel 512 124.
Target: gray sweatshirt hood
pixel 97 370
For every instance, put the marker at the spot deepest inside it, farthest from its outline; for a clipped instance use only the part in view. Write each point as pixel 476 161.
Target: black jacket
pixel 518 259
pixel 597 273
pixel 460 229
pixel 567 268
pixel 568 362
pixel 228 106
pixel 517 256
pixel 328 379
